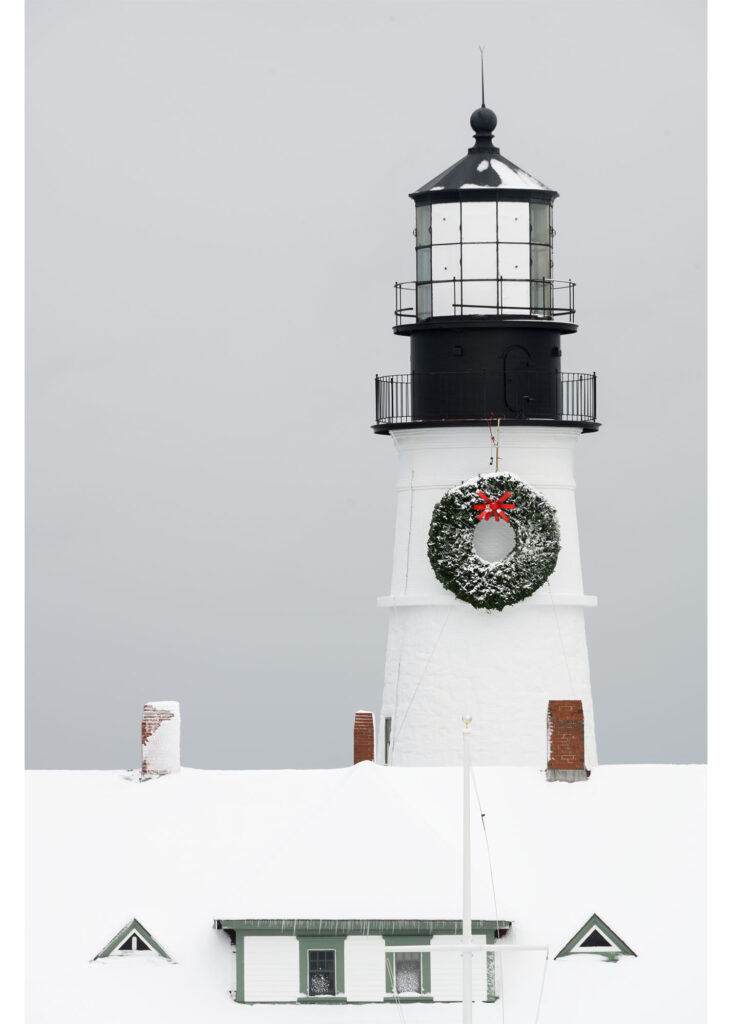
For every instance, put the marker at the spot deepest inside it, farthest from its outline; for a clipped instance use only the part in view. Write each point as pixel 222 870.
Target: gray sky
pixel 218 210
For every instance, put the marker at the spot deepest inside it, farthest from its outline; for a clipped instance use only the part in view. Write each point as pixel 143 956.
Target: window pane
pixel 480 299
pixel 540 223
pixel 541 298
pixel 513 261
pixel 408 971
pixel 540 266
pixel 479 261
pixel 515 298
pixel 423 225
pixel 424 264
pixel 445 262
pixel 444 296
pixel 446 223
pixel 513 222
pixel 479 222
pixel 424 301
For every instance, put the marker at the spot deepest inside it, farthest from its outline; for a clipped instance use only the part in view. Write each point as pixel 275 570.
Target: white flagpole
pixel 467 915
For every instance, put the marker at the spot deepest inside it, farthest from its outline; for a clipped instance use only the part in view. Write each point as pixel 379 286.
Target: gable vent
pixel 595 938
pixel 134 939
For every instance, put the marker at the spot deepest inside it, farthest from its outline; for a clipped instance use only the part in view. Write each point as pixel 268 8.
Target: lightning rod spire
pixel 482 79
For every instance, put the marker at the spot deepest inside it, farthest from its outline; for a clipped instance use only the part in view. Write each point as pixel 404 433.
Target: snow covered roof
pixel 479 170
pixel 361 842
pixel 483 167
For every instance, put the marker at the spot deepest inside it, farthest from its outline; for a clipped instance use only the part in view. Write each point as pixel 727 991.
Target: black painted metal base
pixel 585 426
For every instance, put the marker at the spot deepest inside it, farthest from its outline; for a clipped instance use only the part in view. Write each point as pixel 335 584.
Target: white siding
pixel 447 971
pixel 433 637
pixel 365 968
pixel 271 968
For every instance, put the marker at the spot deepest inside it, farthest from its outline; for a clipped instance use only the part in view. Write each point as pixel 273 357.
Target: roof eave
pixel 357 926
pixel 481 191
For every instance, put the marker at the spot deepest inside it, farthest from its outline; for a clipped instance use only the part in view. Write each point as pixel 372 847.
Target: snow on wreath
pixel 493 585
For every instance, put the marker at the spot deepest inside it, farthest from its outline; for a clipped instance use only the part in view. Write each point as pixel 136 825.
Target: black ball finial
pixel 483 121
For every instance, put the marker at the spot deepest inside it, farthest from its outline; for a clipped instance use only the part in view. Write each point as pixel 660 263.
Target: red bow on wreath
pixel 494 508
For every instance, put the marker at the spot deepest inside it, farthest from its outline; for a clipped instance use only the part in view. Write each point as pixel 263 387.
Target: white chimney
pixel 161 737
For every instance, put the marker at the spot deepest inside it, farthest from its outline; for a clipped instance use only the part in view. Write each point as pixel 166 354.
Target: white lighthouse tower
pixel 487 605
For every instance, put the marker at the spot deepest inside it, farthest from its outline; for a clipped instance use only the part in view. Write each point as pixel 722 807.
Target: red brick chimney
pixel 363 737
pixel 565 733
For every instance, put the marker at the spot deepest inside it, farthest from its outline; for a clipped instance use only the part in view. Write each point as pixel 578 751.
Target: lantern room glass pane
pixel 445 262
pixel 444 297
pixel 541 298
pixel 424 214
pixel 424 264
pixel 515 298
pixel 479 222
pixel 479 261
pixel 513 261
pixel 445 223
pixel 513 222
pixel 540 283
pixel 540 262
pixel 424 301
pixel 480 298
pixel 540 223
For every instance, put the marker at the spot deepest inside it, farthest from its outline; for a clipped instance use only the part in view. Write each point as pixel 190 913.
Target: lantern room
pixel 483 258
pixel 483 240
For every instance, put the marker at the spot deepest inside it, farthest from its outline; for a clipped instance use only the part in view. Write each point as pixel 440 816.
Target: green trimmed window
pixel 322 975
pixel 321 972
pixel 408 973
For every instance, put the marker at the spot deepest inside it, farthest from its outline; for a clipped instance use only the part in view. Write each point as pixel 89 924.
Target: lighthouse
pixel 487 605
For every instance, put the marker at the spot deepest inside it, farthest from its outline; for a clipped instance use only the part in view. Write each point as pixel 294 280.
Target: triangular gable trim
pixel 132 927
pixel 616 948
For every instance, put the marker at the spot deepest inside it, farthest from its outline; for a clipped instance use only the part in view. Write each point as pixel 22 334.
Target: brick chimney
pixel 161 737
pixel 363 737
pixel 565 733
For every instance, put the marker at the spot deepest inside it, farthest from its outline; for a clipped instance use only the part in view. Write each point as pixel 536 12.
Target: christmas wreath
pixel 493 585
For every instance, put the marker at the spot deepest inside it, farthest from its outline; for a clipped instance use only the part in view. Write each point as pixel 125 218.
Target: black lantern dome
pixel 484 314
pixel 484 167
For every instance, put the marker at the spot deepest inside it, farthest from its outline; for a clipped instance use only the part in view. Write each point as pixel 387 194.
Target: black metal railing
pixel 538 298
pixel 483 395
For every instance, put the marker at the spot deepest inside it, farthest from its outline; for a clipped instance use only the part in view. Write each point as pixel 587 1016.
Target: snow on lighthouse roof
pixel 483 167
